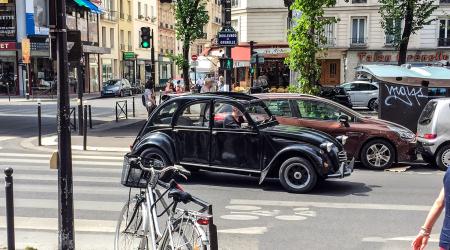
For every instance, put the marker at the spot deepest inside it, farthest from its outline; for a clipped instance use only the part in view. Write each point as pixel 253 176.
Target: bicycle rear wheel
pixel 186 235
pixel 130 231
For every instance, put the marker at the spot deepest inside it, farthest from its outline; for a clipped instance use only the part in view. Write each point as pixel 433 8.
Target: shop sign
pixel 129 56
pixel 417 57
pixel 26 50
pixel 7 23
pixel 35 46
pixel 7 46
pixel 273 51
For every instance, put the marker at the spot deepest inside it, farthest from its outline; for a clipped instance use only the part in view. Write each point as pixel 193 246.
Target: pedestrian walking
pixel 208 86
pixel 442 201
pixel 148 98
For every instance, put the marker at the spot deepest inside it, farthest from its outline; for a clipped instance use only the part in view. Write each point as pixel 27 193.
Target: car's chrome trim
pixel 219 167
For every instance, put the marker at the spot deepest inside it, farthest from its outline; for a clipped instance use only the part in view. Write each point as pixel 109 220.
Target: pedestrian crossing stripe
pixel 106 206
pixel 75 156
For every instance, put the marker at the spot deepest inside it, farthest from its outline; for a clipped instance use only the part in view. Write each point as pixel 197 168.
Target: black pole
pixel 66 233
pixel 85 122
pixel 214 244
pixel 153 72
pixel 126 109
pixel 39 125
pixel 80 90
pixel 27 86
pixel 90 116
pixel 134 111
pixel 75 119
pixel 257 66
pixel 226 9
pixel 9 94
pixel 117 117
pixel 251 64
pixel 9 195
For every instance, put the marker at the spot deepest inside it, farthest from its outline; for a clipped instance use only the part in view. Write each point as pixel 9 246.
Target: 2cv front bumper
pixel 346 169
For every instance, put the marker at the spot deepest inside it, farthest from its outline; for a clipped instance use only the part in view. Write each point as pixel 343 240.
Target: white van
pixel 433 133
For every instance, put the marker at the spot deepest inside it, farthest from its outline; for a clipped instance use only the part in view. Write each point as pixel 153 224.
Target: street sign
pixel 26 47
pixel 194 57
pixel 226 63
pixel 227 37
pixel 129 56
pixel 74 46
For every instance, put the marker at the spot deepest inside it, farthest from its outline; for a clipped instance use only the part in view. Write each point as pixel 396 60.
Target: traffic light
pixel 145 37
pixel 226 63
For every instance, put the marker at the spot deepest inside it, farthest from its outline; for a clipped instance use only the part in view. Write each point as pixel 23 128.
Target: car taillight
pixel 429 136
pixel 203 221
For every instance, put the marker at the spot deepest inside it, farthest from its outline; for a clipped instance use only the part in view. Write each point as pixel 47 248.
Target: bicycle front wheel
pixel 186 234
pixel 130 231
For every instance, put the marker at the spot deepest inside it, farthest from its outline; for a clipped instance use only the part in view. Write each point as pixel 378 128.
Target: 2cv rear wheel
pixel 297 175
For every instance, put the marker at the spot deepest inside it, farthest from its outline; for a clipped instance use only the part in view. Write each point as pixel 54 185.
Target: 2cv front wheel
pixel 297 175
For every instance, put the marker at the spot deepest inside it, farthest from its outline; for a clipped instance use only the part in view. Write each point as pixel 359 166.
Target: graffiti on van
pixel 409 95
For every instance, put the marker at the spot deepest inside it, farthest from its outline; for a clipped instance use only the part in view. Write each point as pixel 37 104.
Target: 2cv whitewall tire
pixel 297 175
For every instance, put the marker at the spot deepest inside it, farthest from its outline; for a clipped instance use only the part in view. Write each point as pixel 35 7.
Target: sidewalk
pixel 109 137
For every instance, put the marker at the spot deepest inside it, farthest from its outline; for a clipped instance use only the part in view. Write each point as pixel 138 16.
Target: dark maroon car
pixel 376 143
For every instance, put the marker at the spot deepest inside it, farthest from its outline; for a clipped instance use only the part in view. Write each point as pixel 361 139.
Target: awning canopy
pixel 240 53
pixel 87 4
pixel 435 76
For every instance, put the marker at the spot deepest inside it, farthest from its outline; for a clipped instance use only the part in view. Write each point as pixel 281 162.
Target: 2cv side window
pixel 164 115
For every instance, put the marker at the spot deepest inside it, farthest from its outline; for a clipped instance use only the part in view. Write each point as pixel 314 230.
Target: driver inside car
pixel 235 119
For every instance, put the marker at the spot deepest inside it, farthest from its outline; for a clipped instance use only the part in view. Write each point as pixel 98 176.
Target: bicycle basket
pixel 132 174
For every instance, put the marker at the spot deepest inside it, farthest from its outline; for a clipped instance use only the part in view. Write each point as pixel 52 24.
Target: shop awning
pixel 240 53
pixel 89 5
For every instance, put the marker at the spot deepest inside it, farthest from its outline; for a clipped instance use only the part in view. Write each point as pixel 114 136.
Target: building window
pixel 234 3
pixel 129 39
pixel 359 1
pixel 104 37
pixel 358 31
pixel 444 1
pixel 139 10
pixel 152 11
pixel 444 33
pixel 328 33
pixel 145 10
pixel 393 32
pixel 111 37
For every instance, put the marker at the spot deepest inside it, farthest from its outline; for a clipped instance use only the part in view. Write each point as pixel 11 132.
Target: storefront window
pixel 93 73
pixel 7 77
pixel 107 72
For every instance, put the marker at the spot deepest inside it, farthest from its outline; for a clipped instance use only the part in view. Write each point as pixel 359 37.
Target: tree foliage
pixel 306 40
pixel 191 16
pixel 414 13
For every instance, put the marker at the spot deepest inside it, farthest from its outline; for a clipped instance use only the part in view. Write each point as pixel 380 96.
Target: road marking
pixel 4 138
pixel 433 238
pixel 89 163
pixel 76 178
pixel 245 230
pixel 81 225
pixel 75 169
pixel 239 217
pixel 290 217
pixel 78 205
pixel 243 208
pixel 96 157
pixel 330 205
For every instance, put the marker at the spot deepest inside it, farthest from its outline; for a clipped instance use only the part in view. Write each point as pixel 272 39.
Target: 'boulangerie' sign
pixel 7 23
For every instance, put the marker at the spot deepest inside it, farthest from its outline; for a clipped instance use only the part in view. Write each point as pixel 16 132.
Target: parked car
pixel 362 93
pixel 337 94
pixel 117 87
pixel 183 130
pixel 433 133
pixel 376 143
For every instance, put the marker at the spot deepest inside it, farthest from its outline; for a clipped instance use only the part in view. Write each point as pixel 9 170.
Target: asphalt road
pixel 368 210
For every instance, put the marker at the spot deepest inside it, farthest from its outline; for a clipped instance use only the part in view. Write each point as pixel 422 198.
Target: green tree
pixel 306 40
pixel 191 16
pixel 415 13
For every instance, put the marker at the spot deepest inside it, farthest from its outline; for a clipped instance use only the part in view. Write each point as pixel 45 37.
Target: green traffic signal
pixel 229 65
pixel 145 37
pixel 145 44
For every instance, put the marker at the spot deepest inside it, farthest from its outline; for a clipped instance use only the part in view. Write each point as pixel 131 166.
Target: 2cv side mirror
pixel 343 119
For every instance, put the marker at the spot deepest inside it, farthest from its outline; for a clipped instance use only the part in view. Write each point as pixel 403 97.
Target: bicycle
pixel 138 225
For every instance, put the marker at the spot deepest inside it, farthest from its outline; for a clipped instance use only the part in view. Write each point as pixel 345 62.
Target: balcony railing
pixel 358 42
pixel 109 15
pixel 122 46
pixel 329 42
pixel 443 42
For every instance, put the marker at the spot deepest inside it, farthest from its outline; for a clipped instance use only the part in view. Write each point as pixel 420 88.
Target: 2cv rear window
pixel 164 116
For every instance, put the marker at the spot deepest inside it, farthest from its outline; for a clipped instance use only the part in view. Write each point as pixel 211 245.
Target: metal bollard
pixel 213 239
pixel 126 109
pixel 90 117
pixel 117 117
pixel 9 195
pixel 160 96
pixel 39 125
pixel 9 94
pixel 134 112
pixel 85 122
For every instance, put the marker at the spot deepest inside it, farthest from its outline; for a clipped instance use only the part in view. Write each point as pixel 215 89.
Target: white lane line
pixel 88 163
pixel 245 230
pixel 78 205
pixel 330 205
pixel 75 156
pixel 75 169
pixel 4 138
pixel 77 189
pixel 81 225
pixel 433 238
pixel 76 178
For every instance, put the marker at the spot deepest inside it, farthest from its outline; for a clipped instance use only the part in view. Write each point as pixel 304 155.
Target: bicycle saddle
pixel 179 196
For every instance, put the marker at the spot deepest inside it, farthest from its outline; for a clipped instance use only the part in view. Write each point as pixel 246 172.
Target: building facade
pixel 125 39
pixel 109 30
pixel 358 38
pixel 166 42
pixel 211 28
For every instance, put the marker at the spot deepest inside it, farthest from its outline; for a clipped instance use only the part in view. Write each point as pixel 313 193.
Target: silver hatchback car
pixel 362 93
pixel 433 133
